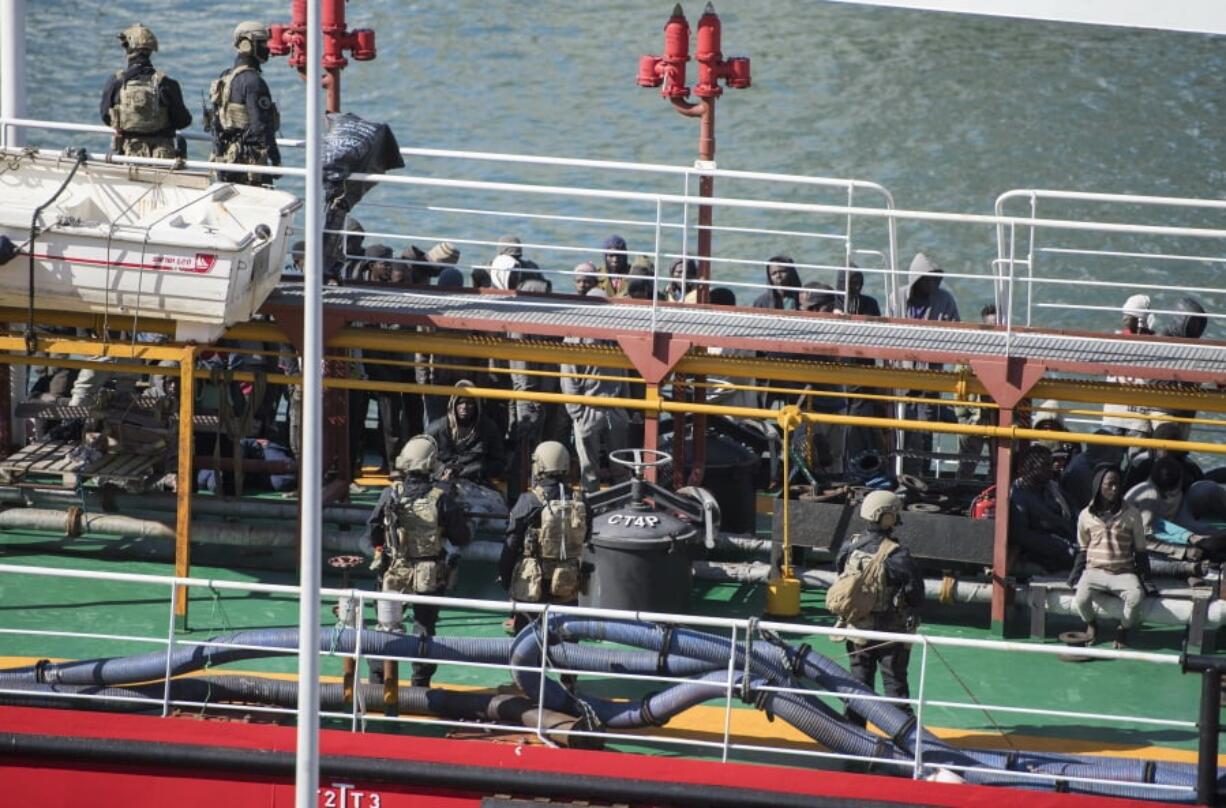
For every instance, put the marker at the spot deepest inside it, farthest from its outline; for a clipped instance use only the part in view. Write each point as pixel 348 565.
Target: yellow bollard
pixel 783 596
pixel 783 591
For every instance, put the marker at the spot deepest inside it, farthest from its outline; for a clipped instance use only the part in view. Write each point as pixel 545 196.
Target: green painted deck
pixel 964 675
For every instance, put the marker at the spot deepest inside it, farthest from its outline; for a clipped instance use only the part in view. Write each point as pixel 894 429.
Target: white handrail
pixel 734 626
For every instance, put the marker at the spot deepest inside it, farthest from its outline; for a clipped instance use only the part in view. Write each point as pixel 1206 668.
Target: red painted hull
pixel 60 780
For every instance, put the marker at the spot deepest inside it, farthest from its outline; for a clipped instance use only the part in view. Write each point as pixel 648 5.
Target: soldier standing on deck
pixel 240 113
pixel 546 532
pixel 409 529
pixel 894 585
pixel 142 104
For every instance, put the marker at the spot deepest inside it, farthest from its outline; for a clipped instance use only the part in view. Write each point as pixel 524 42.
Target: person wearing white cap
pixel 1136 319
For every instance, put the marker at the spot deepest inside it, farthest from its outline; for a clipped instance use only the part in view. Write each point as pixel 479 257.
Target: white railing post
pixel 655 274
pixel 540 696
pixel 1009 289
pixel 728 693
pixel 1034 214
pixel 170 647
pixel 359 623
pixel 919 710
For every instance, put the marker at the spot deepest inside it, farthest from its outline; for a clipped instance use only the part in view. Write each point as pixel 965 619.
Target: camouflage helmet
pixel 550 458
pixel 418 456
pixel 250 30
pixel 878 505
pixel 138 38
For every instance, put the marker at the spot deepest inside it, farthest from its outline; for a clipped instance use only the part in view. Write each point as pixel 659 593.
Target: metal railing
pixel 1027 252
pixel 827 228
pixel 741 634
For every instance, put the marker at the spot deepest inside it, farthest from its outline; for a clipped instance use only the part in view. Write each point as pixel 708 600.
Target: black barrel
pixel 729 476
pixel 642 561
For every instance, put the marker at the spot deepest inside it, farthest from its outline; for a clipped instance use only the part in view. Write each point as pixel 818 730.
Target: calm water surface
pixel 944 110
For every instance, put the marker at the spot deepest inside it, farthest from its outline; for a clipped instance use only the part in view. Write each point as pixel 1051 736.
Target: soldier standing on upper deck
pixel 143 105
pixel 241 114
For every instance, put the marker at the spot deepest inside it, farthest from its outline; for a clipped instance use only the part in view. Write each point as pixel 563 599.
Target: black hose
pixel 31 338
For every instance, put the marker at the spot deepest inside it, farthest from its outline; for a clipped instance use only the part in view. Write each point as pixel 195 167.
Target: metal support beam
pixel 1003 464
pixel 655 359
pixel 184 480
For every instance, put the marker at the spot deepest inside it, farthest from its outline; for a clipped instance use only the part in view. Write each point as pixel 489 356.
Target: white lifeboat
pixel 140 242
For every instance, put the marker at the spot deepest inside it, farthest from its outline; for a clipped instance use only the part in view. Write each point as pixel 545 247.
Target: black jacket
pixel 250 89
pixel 169 94
pixel 479 455
pixel 1036 510
pixel 902 574
pixel 525 514
pixel 450 517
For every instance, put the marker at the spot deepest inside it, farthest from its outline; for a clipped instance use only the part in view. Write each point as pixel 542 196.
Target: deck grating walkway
pixel 776 332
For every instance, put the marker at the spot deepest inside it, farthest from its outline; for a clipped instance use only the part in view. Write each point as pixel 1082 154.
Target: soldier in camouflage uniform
pixel 408 528
pixel 546 533
pixel 242 116
pixel 142 104
pixel 899 595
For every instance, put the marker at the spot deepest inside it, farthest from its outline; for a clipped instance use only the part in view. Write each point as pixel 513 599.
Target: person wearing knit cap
pixel 418 267
pixel 510 245
pixel 616 262
pixel 379 265
pixel 442 255
pixel 450 278
pixel 585 277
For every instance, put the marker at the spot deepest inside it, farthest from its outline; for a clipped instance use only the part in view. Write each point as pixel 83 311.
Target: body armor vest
pixel 563 526
pixel 230 115
pixel 549 569
pixel 418 534
pixel 138 108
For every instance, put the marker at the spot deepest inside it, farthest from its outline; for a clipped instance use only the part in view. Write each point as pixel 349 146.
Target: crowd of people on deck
pixel 1111 516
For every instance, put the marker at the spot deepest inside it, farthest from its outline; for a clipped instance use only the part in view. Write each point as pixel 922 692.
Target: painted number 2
pixel 344 795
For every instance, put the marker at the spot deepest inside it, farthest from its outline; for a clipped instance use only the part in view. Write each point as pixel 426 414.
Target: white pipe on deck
pixel 236 534
pixel 306 770
pixel 12 68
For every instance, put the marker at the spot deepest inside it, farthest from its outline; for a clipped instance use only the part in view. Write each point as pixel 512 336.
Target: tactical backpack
pixel 862 588
pixel 550 566
pixel 417 543
pixel 138 108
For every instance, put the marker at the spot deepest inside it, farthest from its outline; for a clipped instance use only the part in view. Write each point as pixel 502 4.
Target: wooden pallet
pixel 52 459
pixel 140 413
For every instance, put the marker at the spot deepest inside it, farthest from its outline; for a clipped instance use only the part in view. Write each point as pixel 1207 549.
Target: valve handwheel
pixel 639 459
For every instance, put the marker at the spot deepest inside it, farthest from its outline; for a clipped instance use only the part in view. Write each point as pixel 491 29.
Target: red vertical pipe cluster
pixel 337 40
pixel 667 72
